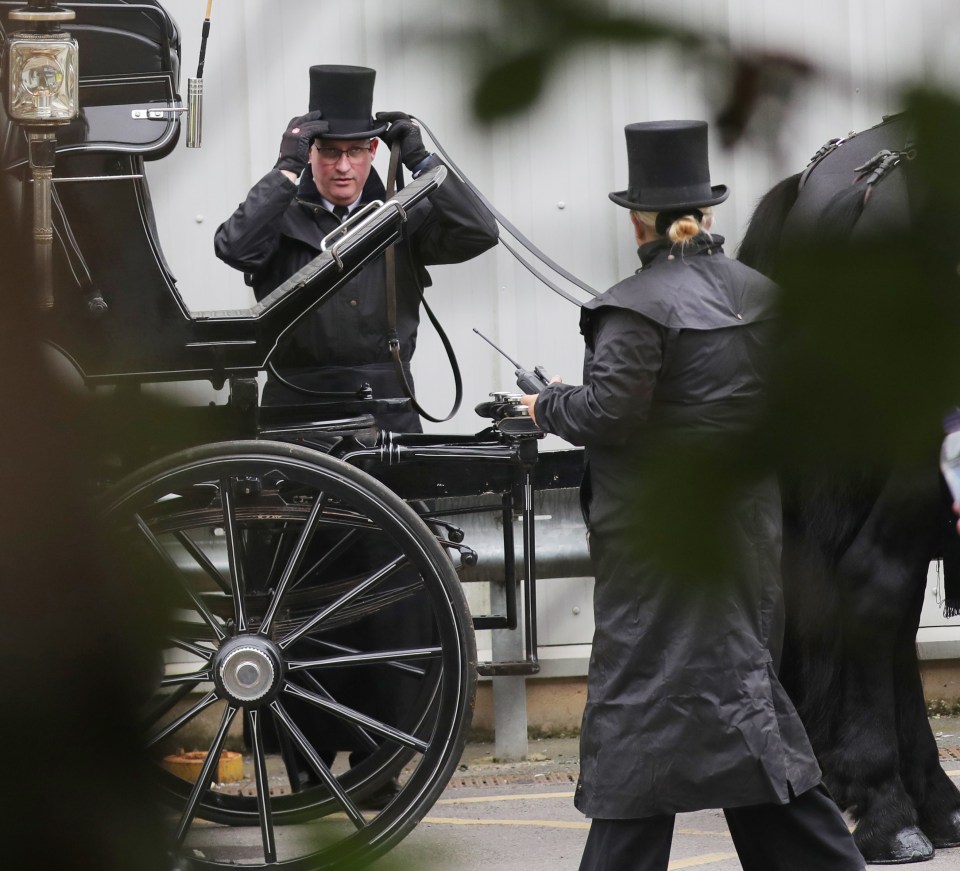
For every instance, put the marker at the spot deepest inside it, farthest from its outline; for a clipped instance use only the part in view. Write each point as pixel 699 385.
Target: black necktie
pixel 340 212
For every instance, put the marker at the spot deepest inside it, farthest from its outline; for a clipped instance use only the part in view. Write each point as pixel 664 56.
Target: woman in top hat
pixel 324 172
pixel 684 709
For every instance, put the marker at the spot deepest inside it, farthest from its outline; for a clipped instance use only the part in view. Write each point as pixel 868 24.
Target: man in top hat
pixel 684 709
pixel 323 173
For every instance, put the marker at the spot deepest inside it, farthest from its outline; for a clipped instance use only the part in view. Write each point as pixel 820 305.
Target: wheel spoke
pixel 275 559
pixel 313 598
pixel 359 731
pixel 193 677
pixel 165 703
pixel 404 667
pixel 291 762
pixel 162 552
pixel 319 766
pixel 191 547
pixel 233 553
pixel 263 787
pixel 348 517
pixel 184 718
pixel 336 550
pixel 386 657
pixel 201 652
pixel 204 778
pixel 352 716
pixel 294 562
pixel 374 579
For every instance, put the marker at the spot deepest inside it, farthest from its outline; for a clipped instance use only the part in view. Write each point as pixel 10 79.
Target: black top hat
pixel 344 94
pixel 668 167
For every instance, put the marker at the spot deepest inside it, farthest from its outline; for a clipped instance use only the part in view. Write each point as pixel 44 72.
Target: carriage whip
pixel 195 88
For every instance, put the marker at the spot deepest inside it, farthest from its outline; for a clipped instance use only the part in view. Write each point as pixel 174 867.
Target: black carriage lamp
pixel 43 95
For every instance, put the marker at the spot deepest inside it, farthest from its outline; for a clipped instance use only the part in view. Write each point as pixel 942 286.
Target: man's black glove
pixel 404 130
pixel 295 145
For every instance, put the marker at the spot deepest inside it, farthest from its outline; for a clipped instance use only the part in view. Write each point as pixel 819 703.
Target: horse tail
pixel 842 212
pixel 762 238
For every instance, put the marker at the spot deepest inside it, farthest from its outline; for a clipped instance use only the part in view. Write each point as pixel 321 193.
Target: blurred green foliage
pixel 519 44
pixel 529 39
pixel 866 366
pixel 79 627
pixel 869 363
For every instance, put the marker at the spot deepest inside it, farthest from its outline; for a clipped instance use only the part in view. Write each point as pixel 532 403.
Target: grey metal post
pixel 509 693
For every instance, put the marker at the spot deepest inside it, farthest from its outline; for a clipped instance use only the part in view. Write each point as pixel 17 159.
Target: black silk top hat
pixel 668 167
pixel 344 94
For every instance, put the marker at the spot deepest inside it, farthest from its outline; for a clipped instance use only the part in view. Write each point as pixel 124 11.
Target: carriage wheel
pixel 311 611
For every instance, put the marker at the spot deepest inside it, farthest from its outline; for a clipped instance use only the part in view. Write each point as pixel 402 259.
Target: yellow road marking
pixel 691 862
pixel 544 824
pixel 480 799
pixel 549 824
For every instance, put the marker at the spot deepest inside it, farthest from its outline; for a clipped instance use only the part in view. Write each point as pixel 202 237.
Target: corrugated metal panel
pixel 549 171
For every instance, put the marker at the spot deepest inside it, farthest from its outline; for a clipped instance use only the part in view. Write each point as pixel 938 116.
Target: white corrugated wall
pixel 548 171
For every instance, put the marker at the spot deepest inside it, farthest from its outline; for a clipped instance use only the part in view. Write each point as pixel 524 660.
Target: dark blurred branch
pixel 525 41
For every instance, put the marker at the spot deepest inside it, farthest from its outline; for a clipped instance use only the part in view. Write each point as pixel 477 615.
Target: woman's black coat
pixel 684 708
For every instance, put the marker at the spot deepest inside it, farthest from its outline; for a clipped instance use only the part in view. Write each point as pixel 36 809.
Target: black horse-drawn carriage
pixel 282 535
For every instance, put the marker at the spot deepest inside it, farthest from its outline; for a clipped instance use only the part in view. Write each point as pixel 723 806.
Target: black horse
pixel 859 534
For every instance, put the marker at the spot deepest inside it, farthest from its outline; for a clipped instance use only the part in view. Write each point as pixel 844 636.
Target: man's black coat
pixel 277 230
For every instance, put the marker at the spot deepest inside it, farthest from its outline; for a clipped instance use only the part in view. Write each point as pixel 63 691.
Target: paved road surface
pixel 497 816
pixel 521 816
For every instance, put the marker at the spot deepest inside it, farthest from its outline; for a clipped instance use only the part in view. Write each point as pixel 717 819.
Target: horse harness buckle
pixel 878 166
pixel 825 149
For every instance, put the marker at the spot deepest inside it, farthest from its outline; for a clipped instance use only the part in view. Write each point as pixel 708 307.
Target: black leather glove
pixel 295 145
pixel 404 130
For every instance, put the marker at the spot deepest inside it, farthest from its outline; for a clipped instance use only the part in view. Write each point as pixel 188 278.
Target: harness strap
pixel 513 231
pixel 393 338
pixel 874 169
pixel 822 152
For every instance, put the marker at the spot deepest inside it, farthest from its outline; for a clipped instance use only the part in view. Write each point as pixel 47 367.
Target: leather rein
pixel 393 339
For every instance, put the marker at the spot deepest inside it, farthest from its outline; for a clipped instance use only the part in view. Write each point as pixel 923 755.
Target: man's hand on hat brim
pixel 391 117
pixel 296 141
pixel 405 131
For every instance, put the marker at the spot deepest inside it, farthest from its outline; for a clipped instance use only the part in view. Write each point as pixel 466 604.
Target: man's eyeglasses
pixel 329 154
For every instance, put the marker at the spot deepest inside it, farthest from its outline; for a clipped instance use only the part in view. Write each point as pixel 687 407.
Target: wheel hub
pixel 248 670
